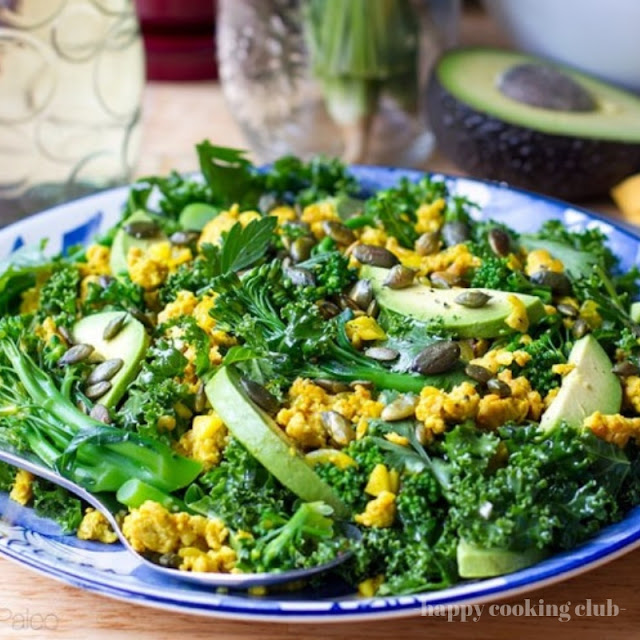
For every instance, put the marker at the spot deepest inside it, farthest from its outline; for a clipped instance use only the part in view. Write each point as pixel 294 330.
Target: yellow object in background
pixel 627 196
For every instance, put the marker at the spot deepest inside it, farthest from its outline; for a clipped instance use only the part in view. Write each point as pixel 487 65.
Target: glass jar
pixel 71 80
pixel 341 77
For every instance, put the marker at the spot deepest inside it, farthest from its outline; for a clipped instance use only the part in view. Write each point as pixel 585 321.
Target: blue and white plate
pixel 110 570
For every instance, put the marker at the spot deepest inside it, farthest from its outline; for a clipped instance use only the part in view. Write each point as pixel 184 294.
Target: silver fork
pixel 228 580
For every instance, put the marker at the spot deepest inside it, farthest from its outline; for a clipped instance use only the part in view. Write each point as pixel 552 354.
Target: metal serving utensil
pixel 228 580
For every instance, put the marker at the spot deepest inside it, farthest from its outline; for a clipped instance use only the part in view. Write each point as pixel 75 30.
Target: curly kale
pixel 59 295
pixel 332 276
pixel 56 503
pixel 7 476
pixel 115 293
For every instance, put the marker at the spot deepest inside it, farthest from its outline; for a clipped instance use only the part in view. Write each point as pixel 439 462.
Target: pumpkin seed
pixel 567 310
pixel 366 384
pixel 100 413
pixel 75 354
pixel 114 327
pixel 260 396
pixel 362 293
pixel 142 229
pixel 399 277
pixel 300 249
pixel 473 298
pixel 383 354
pixel 580 328
pixel 346 302
pixel 66 334
pixel 375 256
pixel 373 309
pixel 200 401
pixel 478 373
pixel 332 386
pixel 436 358
pixel 338 427
pixel 300 277
pixel 444 280
pixel 328 309
pixel 625 369
pixel 499 242
pixel 402 407
pixel 455 232
pixel 184 238
pixel 338 232
pixel 500 388
pixel 557 282
pixel 105 281
pixel 105 371
pixel 423 435
pixel 142 318
pixel 427 244
pixel 95 391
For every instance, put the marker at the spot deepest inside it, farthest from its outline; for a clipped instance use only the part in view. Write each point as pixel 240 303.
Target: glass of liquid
pixel 71 80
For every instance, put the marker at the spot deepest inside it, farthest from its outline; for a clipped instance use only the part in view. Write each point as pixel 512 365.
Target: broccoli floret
pixel 59 295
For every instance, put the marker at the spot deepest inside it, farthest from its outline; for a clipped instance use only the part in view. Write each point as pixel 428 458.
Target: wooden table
pixel 177 116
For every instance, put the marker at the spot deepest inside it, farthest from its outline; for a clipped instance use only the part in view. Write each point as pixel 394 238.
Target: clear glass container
pixel 271 69
pixel 71 80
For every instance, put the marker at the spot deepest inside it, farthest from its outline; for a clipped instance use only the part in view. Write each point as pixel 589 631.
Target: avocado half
pixel 509 116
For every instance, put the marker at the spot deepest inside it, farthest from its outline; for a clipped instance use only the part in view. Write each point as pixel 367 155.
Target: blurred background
pixel 98 92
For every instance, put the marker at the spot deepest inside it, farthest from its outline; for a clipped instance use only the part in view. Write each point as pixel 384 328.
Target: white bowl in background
pixel 601 37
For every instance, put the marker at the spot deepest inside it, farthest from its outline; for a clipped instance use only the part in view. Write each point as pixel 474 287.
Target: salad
pixel 251 359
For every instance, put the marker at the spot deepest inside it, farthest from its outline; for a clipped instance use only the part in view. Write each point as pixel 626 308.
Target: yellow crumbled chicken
pixel 183 305
pixel 495 359
pixel 517 319
pixel 589 313
pixel 613 428
pixel 429 216
pixel 315 214
pixel 363 329
pixel 369 587
pixel 523 403
pixel 631 392
pixel 22 489
pixel 381 480
pixel 205 441
pixel 166 423
pixel 330 456
pixel 436 407
pixel 379 512
pixel 202 315
pixel 542 260
pixel 97 263
pixel 144 270
pixel 283 214
pixel 47 330
pixel 563 369
pixel 170 255
pixel 396 438
pixel 222 223
pixel 302 418
pixel 550 397
pixel 374 236
pixel 200 542
pixel 626 195
pixel 30 299
pixel 95 526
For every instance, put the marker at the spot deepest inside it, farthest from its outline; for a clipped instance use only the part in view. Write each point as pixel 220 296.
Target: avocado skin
pixel 561 166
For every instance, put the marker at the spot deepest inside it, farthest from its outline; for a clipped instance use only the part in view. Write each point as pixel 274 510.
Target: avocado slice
pixel 130 344
pixel 426 303
pixel 509 116
pixel 474 562
pixel 196 215
pixel 591 386
pixel 122 242
pixel 267 442
pixel 634 312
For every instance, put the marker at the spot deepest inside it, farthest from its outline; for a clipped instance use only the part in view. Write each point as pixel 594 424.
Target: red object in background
pixel 179 38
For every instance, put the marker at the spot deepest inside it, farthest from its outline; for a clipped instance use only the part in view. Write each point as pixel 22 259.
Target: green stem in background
pixel 360 48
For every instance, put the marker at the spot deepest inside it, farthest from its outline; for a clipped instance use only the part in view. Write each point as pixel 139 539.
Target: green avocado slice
pixel 426 303
pixel 196 215
pixel 590 386
pixel 122 242
pixel 130 344
pixel 474 562
pixel 266 441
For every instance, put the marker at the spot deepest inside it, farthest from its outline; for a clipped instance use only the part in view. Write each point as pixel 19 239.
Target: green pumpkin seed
pixel 499 242
pixel 383 354
pixel 95 391
pixel 260 396
pixel 625 369
pixel 567 310
pixel 399 277
pixel 557 282
pixel 300 277
pixel 478 373
pixel 105 371
pixel 455 233
pixel 404 406
pixel 332 386
pixel 142 229
pixel 438 357
pixel 338 428
pixel 373 309
pixel 114 327
pixel 580 328
pixel 328 309
pixel 427 244
pixel 200 401
pixel 100 413
pixel 338 232
pixel 474 299
pixel 76 354
pixel 362 293
pixel 499 387
pixel 184 238
pixel 300 249
pixel 375 256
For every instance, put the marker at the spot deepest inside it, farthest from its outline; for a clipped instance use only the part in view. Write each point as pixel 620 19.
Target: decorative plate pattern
pixel 108 569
